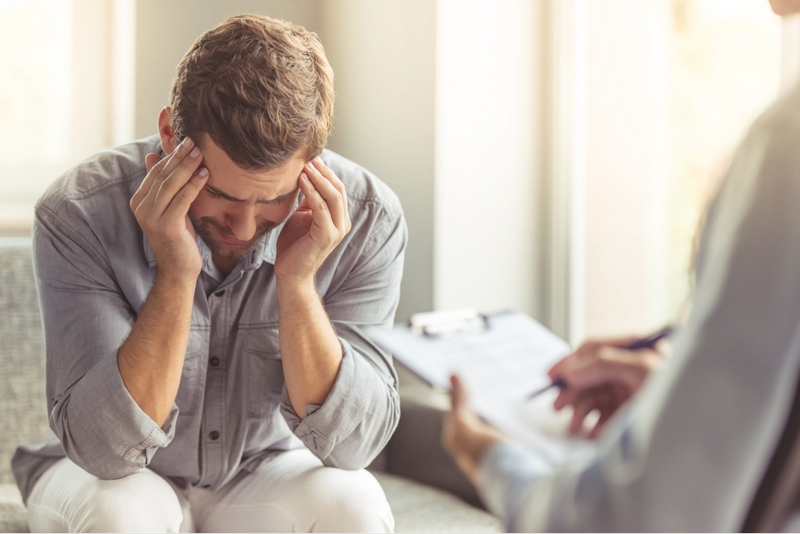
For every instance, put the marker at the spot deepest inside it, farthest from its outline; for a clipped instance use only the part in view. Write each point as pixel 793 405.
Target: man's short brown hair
pixel 261 88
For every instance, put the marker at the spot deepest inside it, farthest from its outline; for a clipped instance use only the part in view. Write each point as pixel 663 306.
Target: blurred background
pixel 552 156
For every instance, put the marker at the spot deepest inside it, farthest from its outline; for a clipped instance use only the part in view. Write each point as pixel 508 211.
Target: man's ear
pixel 168 140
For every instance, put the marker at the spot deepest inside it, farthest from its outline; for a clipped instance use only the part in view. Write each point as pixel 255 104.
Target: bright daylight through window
pixel 725 61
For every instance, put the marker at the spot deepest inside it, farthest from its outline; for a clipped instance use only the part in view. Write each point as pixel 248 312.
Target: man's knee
pixel 350 501
pixel 140 502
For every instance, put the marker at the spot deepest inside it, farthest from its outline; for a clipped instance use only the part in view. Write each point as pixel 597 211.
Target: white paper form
pixel 501 367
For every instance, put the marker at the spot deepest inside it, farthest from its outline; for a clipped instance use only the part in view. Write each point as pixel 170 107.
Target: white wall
pixel 382 54
pixel 489 164
pixel 626 176
pixel 58 79
pixel 166 30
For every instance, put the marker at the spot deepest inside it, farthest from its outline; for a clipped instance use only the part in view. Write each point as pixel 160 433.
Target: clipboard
pixel 501 357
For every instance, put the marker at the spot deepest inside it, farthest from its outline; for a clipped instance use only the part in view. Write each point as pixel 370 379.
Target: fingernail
pixel 195 152
pixel 303 177
pixel 203 171
pixel 188 142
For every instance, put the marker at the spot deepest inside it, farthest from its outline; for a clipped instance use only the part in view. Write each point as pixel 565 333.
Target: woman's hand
pixel 464 435
pixel 602 376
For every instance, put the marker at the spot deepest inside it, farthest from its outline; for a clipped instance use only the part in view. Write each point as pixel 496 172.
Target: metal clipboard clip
pixel 448 323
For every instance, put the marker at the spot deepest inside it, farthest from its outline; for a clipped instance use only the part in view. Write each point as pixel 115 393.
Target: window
pixel 724 66
pixel 65 93
pixel 671 86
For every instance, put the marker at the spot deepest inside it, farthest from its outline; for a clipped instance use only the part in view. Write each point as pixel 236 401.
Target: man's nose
pixel 243 224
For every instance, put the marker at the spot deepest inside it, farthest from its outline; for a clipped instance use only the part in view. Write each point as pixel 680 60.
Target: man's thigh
pixel 68 499
pixel 294 492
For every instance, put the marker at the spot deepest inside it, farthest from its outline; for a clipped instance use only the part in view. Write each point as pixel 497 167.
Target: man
pixel 202 293
pixel 692 450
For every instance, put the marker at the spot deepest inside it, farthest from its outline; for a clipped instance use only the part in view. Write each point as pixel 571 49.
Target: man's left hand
pixel 317 226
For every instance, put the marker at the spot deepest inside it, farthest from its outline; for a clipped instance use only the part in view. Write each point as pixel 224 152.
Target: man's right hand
pixel 161 206
pixel 601 376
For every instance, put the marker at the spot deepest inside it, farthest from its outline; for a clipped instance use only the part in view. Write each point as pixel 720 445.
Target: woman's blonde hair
pixel 261 88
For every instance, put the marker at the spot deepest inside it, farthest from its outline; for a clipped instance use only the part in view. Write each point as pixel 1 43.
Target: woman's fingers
pixel 565 397
pixel 459 397
pixel 583 407
pixel 605 414
pixel 586 352
pixel 594 373
pixel 610 366
pixel 557 371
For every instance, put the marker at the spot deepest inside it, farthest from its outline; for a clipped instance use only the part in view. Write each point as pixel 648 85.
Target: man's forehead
pixel 216 157
pixel 238 188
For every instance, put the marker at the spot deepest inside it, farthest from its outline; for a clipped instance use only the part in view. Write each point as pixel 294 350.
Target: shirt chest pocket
pixel 190 377
pixel 265 370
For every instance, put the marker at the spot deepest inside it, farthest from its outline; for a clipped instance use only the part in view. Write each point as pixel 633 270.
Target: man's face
pixel 785 7
pixel 237 206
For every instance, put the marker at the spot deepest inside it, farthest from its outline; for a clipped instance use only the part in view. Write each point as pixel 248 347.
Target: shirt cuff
pixel 132 433
pixel 347 403
pixel 505 474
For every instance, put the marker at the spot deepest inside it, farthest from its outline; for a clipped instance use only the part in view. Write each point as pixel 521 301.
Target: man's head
pixel 785 7
pixel 256 95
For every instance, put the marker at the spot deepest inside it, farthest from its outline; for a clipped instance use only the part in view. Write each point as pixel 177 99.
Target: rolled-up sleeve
pixel 362 410
pixel 86 319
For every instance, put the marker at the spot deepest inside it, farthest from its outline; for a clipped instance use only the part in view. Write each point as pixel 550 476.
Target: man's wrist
pixel 174 284
pixel 300 287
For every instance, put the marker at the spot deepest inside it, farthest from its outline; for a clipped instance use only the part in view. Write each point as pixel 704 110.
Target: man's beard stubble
pixel 203 227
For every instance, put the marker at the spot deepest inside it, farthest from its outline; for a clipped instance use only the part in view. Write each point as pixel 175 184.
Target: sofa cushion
pixel 22 372
pixel 13 516
pixel 421 508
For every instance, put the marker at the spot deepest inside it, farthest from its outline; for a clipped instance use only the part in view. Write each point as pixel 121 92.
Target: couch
pixel 425 490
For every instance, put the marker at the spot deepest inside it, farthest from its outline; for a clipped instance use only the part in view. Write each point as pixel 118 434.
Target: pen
pixel 651 341
pixel 555 384
pixel 648 342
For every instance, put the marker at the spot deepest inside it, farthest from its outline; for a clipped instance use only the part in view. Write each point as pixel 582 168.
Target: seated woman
pixel 691 449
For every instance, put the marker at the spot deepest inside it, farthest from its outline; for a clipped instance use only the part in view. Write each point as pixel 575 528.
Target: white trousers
pixel 291 492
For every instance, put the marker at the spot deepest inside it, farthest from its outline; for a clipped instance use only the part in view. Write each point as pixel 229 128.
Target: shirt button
pixel 214 361
pixel 219 293
pixel 214 435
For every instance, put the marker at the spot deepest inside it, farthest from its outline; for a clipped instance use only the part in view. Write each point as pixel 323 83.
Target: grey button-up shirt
pixel 94 268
